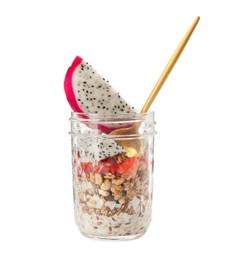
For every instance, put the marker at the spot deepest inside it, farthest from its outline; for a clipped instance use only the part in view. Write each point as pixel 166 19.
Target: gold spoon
pixel 133 146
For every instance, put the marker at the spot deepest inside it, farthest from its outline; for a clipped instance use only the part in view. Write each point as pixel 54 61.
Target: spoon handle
pixel 170 66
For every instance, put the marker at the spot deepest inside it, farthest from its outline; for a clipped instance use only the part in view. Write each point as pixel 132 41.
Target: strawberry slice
pixel 102 168
pixel 113 164
pixel 128 167
pixel 87 167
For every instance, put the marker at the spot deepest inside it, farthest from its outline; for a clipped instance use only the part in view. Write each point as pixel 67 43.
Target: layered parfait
pixel 112 197
pixel 112 190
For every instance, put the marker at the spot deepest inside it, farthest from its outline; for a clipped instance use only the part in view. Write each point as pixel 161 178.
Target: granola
pixel 112 197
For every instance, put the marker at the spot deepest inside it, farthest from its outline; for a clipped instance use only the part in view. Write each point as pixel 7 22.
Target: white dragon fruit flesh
pixel 95 146
pixel 89 93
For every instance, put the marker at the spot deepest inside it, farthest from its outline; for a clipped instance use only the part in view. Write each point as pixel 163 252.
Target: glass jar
pixel 112 191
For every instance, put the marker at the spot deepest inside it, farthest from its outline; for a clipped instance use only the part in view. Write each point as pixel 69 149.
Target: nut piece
pixel 104 193
pixel 110 213
pixel 104 211
pixel 118 196
pixel 109 175
pixel 122 200
pixel 130 194
pixel 119 187
pixel 137 184
pixel 91 202
pixel 98 179
pixel 92 177
pixel 114 189
pixel 118 181
pixel 90 191
pixel 129 178
pixel 131 211
pixel 105 185
pixel 120 158
pixel 97 211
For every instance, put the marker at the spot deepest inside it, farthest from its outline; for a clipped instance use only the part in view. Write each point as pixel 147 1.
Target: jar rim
pixel 136 115
pixel 109 122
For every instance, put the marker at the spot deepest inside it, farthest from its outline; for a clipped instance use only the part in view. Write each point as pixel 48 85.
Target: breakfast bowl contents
pixel 112 192
pixel 112 187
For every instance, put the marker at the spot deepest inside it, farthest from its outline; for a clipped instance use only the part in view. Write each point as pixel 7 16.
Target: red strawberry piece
pixel 113 164
pixel 87 167
pixel 128 167
pixel 102 168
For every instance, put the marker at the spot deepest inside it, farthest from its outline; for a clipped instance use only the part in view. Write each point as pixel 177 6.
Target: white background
pixel 198 183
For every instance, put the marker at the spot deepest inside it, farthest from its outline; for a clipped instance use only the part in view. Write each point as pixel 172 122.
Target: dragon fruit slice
pixel 97 148
pixel 89 93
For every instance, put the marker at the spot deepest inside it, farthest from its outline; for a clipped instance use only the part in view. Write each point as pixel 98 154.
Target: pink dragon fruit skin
pixel 68 86
pixel 89 93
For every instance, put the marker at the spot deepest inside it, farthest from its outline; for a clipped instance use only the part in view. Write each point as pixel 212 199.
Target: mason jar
pixel 112 187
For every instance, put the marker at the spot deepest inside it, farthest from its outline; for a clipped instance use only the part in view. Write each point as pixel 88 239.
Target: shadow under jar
pixel 112 192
